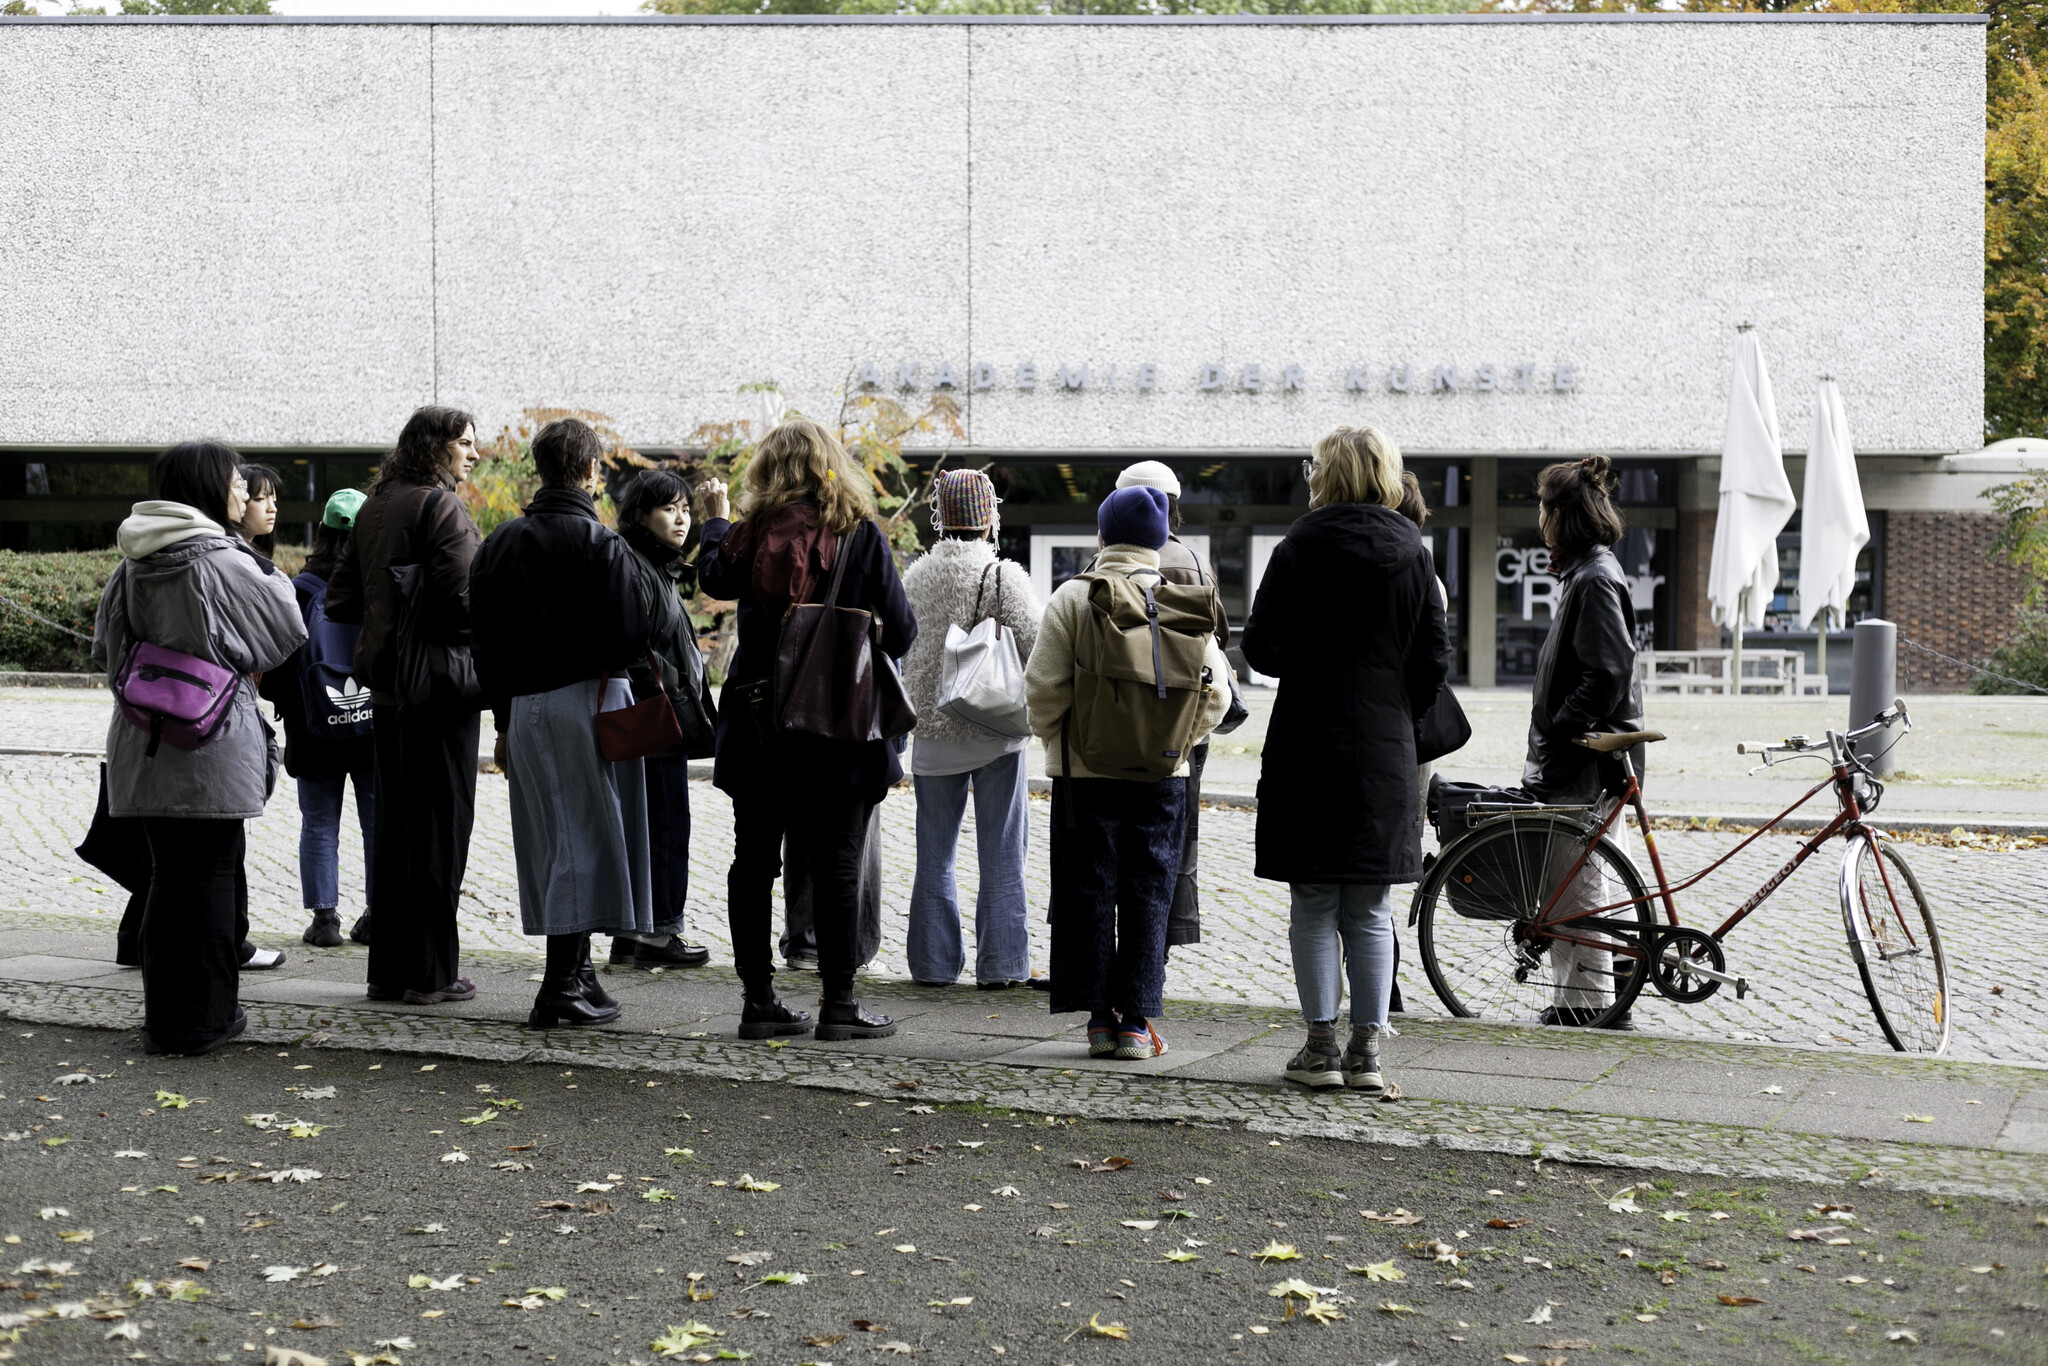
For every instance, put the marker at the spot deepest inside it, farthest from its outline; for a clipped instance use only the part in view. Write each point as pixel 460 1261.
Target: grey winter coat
pixel 186 585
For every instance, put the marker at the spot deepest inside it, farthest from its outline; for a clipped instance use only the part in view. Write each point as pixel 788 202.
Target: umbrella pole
pixel 1735 656
pixel 1825 614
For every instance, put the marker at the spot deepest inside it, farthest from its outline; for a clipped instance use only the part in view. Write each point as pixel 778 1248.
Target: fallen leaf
pixel 457 1156
pixel 285 1356
pixel 1389 1307
pixel 1379 1271
pixel 682 1339
pixel 976 1143
pixel 1181 1254
pixel 1107 1330
pixel 322 1321
pixel 127 1331
pixel 1540 1314
pixel 1919 1119
pixel 1142 1225
pixel 1902 1335
pixel 75 1235
pixel 171 1100
pixel 825 1340
pixel 1624 1202
pixel 869 1326
pixel 194 1263
pixel 1740 1301
pixel 904 1247
pixel 1645 1318
pixel 1855 1280
pixel 748 1183
pixel 901 1349
pixel 750 1258
pixel 1397 1216
pixel 919 1110
pixel 1277 1252
pixel 317 1093
pixel 1511 1356
pixel 1565 1345
pixel 278 1275
pixel 1508 1223
pixel 599 1186
pixel 1675 1216
pixel 131 1152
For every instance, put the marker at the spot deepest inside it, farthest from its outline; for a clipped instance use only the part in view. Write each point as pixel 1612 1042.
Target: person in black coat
pixel 1348 619
pixel 556 619
pixel 654 519
pixel 1585 681
pixel 805 506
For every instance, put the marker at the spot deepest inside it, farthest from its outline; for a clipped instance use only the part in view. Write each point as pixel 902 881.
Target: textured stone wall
pixel 292 233
pixel 1946 590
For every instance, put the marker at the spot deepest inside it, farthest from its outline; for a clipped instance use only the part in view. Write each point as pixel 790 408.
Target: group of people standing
pixel 568 632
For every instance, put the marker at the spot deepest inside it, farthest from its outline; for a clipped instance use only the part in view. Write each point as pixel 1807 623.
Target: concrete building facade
pixel 1503 240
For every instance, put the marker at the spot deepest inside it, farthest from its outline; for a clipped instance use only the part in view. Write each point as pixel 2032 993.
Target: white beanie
pixel 1149 474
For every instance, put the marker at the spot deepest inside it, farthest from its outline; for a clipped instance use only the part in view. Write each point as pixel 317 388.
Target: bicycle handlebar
pixel 1794 746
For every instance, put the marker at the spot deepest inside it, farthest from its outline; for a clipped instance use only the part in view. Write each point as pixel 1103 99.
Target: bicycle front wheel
pixel 1896 946
pixel 1474 913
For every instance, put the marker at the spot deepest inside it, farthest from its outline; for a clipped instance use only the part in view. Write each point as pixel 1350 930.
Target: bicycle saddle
pixel 1628 739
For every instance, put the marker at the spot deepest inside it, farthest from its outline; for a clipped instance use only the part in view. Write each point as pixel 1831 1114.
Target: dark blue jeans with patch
pixel 1115 858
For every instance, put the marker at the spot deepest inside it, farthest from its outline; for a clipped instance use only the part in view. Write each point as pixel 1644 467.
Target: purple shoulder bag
pixel 172 695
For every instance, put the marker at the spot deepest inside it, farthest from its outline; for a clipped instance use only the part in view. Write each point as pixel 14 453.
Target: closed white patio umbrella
pixel 1832 525
pixel 1756 501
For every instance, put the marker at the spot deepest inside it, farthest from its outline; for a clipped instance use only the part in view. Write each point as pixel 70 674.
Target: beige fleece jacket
pixel 1049 673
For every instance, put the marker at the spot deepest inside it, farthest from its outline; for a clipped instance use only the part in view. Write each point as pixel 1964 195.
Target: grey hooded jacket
pixel 187 585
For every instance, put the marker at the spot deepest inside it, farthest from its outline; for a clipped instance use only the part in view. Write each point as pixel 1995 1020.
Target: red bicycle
pixel 1536 907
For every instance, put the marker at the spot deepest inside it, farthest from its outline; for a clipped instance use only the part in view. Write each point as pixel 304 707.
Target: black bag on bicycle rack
pixel 1497 881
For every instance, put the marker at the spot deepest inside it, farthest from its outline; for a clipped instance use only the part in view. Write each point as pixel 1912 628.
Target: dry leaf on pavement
pixel 1107 1330
pixel 1740 1300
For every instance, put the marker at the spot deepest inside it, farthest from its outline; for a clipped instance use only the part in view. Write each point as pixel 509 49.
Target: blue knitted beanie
pixel 1133 516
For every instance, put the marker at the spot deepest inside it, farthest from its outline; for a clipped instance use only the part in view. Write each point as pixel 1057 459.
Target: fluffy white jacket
pixel 941 586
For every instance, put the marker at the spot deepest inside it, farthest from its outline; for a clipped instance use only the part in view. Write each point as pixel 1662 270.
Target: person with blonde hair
pixel 1348 619
pixel 806 521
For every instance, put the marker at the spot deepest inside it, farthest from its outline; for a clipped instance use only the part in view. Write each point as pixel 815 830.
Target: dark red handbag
pixel 644 728
pixel 833 680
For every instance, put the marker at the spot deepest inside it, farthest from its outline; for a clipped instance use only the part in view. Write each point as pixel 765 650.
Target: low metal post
pixel 1873 685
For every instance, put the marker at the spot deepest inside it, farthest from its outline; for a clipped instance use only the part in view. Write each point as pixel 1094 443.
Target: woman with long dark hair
pixel 258 523
pixel 1585 681
pixel 427 752
pixel 654 520
pixel 185 584
pixel 805 509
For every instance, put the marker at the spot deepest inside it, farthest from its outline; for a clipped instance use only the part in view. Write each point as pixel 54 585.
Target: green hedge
pixel 2023 655
pixel 65 587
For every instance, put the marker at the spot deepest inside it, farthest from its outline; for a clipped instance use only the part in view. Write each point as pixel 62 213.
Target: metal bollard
pixel 1873 685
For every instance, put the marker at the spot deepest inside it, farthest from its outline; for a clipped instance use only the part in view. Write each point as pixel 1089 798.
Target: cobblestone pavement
pixel 1805 987
pixel 1547 1134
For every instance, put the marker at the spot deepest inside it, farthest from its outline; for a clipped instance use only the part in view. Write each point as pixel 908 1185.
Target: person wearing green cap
pixel 329 740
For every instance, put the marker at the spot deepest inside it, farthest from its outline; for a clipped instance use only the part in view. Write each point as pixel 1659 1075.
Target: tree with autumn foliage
pixel 505 479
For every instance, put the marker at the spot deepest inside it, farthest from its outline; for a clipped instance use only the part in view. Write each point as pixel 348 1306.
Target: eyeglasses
pixel 1308 469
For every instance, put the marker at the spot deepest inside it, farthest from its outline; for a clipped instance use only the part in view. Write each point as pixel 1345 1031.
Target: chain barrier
pixel 37 616
pixel 1988 673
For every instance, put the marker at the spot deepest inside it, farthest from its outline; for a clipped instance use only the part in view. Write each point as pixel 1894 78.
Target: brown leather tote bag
pixel 832 679
pixel 636 731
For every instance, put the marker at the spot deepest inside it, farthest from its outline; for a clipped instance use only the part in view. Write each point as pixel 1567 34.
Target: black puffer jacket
pixel 672 643
pixel 1348 619
pixel 1585 680
pixel 554 599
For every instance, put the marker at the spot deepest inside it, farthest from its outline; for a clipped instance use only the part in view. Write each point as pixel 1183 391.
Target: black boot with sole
pixel 561 1000
pixel 763 1016
pixel 842 1017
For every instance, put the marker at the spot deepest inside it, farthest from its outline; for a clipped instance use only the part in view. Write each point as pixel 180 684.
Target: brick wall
pixel 1945 590
pixel 1692 626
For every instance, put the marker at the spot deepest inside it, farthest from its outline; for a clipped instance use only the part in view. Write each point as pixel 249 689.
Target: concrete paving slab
pixel 1980 1129
pixel 1876 1091
pixel 1750 1112
pixel 1248 1065
pixel 306 991
pixel 1574 1064
pixel 1478 1088
pixel 1707 1079
pixel 1070 1049
pixel 999 1014
pixel 51 967
pixel 2024 1136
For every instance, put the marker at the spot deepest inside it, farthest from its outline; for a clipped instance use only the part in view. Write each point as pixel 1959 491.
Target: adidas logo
pixel 349 701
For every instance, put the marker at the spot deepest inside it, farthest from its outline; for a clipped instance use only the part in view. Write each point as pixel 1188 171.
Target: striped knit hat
pixel 965 499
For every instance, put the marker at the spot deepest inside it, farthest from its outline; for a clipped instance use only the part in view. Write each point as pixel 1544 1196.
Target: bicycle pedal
pixel 1741 988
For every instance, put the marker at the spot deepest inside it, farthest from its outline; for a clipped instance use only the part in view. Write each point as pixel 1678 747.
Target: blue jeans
pixel 1002 945
pixel 320 836
pixel 1339 929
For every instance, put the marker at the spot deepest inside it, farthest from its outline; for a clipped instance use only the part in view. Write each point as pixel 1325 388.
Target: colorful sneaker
pixel 1102 1042
pixel 1317 1071
pixel 1131 1045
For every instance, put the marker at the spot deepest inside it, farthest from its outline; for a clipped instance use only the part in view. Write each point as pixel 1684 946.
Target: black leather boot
pixel 325 931
pixel 845 1018
pixel 586 973
pixel 562 999
pixel 762 1016
pixel 360 931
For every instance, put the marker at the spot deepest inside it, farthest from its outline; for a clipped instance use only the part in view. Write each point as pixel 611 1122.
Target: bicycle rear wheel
pixel 1896 946
pixel 1474 909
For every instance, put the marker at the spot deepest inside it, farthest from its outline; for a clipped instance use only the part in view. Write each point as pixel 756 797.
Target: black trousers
pixel 668 838
pixel 426 804
pixel 798 933
pixel 828 829
pixel 1115 853
pixel 1184 920
pixel 193 924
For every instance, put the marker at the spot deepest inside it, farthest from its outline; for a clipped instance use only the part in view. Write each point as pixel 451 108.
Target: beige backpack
pixel 1139 675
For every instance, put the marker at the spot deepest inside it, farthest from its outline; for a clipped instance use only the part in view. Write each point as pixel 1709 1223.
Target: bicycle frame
pixel 1841 778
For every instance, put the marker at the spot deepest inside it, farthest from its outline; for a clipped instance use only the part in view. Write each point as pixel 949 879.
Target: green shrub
pixel 2024 656
pixel 65 587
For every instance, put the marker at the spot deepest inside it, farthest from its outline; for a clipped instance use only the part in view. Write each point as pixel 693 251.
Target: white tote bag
pixel 981 677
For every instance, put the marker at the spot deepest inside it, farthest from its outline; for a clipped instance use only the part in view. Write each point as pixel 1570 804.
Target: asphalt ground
pixel 598 1212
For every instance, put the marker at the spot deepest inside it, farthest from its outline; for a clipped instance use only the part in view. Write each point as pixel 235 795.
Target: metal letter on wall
pixel 1444 379
pixel 1564 379
pixel 1483 378
pixel 870 375
pixel 1250 381
pixel 1073 377
pixel 946 379
pixel 984 374
pixel 1522 373
pixel 1027 375
pixel 1148 375
pixel 1355 378
pixel 1290 377
pixel 906 374
pixel 1212 377
pixel 1397 378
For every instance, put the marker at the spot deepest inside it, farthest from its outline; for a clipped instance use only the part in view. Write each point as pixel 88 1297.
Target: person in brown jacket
pixel 426 755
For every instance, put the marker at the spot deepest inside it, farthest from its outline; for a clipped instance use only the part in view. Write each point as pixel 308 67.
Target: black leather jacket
pixel 1585 681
